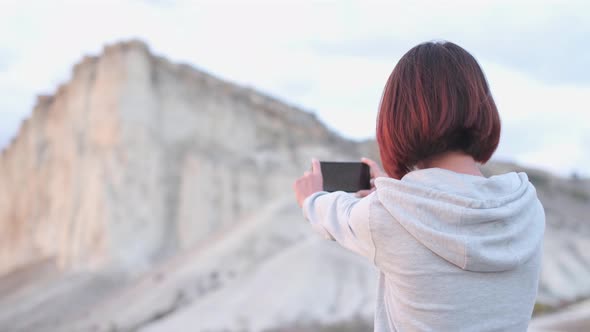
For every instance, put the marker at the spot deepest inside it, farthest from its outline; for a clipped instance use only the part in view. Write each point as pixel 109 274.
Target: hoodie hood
pixel 479 224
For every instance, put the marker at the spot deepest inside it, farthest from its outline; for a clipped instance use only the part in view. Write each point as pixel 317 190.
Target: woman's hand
pixel 309 183
pixel 376 172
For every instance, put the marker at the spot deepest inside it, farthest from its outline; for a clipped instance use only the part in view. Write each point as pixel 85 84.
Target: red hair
pixel 436 100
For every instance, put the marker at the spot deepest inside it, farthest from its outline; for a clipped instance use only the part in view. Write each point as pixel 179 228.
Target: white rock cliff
pixel 137 157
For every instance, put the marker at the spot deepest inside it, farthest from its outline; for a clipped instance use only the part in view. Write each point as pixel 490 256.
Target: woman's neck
pixel 458 162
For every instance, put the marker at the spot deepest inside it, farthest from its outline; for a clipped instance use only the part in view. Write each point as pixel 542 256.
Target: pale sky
pixel 328 57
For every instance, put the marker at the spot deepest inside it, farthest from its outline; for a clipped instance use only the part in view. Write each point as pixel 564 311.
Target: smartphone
pixel 345 176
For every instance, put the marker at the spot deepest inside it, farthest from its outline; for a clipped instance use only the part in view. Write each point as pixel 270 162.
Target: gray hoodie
pixel 455 252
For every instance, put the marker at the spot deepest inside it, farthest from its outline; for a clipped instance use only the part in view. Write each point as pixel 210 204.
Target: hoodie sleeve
pixel 341 217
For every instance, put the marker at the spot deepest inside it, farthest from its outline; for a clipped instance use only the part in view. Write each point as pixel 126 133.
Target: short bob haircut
pixel 436 100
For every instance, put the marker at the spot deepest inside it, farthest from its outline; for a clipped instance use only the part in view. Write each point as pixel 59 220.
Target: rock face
pixel 164 196
pixel 136 158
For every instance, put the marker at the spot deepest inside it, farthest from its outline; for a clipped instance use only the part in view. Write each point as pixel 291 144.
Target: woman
pixel 456 251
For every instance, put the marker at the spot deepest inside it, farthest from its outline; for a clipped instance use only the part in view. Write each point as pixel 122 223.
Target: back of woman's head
pixel 436 100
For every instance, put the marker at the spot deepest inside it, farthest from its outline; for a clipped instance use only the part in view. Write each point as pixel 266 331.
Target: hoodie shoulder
pixel 460 189
pixel 476 223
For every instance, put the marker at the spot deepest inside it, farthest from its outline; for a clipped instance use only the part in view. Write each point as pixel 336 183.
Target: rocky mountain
pixel 137 147
pixel 151 196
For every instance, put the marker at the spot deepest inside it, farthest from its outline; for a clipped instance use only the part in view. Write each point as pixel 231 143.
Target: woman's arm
pixel 342 217
pixel 336 216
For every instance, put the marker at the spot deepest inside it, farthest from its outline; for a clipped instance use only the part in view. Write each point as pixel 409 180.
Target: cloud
pixel 8 126
pixel 161 3
pixel 543 125
pixel 540 39
pixel 5 59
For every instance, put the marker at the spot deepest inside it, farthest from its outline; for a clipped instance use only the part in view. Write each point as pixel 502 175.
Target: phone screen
pixel 345 176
